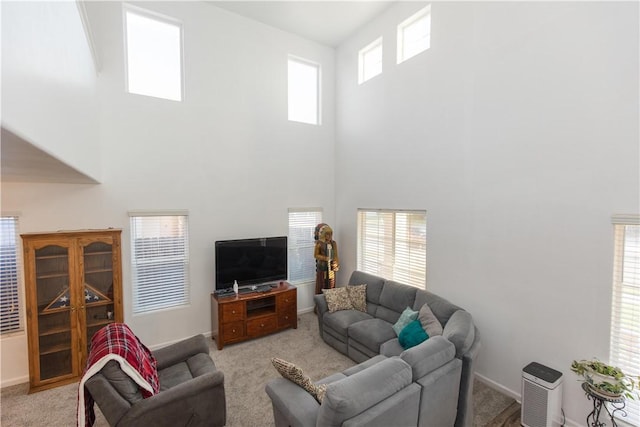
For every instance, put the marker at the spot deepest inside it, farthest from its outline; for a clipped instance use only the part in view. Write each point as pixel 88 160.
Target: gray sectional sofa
pixel 369 337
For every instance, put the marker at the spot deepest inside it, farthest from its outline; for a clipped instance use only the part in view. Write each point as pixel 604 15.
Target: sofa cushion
pixel 429 322
pixel 358 297
pixel 412 335
pixel 371 333
pixel 337 299
pixel 356 393
pixel 460 331
pixel 293 373
pixel 440 307
pixel 374 284
pixel 340 321
pixel 406 317
pixel 395 297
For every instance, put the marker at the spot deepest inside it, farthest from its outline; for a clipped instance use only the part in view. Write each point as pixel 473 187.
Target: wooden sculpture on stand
pixel 326 255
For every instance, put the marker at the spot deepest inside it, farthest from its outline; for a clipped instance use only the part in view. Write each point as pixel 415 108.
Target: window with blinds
pixel 302 264
pixel 393 244
pixel 9 267
pixel 159 260
pixel 625 307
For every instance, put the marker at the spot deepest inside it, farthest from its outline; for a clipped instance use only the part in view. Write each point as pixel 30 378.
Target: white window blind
pixel 393 244
pixel 302 264
pixel 9 263
pixel 153 54
pixel 370 61
pixel 414 34
pixel 625 309
pixel 160 261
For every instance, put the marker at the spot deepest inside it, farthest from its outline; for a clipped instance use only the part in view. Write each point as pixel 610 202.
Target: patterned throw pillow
pixel 412 335
pixel 406 317
pixel 337 299
pixel 291 372
pixel 429 322
pixel 358 297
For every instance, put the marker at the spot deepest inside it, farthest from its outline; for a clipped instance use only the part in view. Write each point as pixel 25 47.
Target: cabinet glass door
pixel 97 258
pixel 55 311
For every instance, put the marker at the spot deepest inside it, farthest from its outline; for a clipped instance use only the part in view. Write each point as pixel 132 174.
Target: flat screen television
pixel 250 261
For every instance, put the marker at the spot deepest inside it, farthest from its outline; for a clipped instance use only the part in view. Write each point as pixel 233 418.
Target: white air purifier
pixel 541 396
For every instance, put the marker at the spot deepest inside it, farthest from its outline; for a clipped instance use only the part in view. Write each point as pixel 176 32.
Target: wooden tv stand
pixel 251 315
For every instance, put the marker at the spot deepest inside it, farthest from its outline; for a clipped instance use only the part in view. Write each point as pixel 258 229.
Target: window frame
pixel 624 350
pixel 395 256
pixel 425 12
pixel 138 288
pixel 318 90
pixel 362 64
pixel 304 250
pixel 14 320
pixel 164 19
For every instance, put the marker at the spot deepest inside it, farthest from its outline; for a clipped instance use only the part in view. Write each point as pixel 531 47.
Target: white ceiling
pixel 327 22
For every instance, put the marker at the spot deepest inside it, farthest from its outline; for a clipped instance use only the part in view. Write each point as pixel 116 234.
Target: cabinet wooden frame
pixel 73 287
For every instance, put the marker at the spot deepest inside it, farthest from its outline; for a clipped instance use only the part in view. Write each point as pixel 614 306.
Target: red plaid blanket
pixel 117 342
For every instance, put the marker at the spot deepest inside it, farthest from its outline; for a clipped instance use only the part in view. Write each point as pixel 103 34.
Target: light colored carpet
pixel 247 368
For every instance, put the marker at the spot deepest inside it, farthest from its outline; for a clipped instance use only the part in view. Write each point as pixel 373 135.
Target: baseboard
pixel 518 397
pixel 14 381
pixel 499 387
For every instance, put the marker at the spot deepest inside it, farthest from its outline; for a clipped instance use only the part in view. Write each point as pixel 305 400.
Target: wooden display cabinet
pixel 245 316
pixel 73 282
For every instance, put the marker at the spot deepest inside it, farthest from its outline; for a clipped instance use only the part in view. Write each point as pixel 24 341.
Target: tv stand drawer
pixel 261 326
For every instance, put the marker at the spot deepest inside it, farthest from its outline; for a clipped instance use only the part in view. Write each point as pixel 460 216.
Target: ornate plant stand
pixel 599 402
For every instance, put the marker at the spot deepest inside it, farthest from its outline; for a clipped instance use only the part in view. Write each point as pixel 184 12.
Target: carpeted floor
pixel 247 368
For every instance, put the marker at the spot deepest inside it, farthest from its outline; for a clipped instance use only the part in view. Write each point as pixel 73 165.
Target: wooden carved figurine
pixel 326 255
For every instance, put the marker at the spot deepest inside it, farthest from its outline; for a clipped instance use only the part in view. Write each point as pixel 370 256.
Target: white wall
pixel 227 153
pixel 49 82
pixel 517 131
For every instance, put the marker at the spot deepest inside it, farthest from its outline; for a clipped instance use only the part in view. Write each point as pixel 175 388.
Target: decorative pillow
pixel 337 299
pixel 429 322
pixel 405 318
pixel 291 372
pixel 358 297
pixel 412 335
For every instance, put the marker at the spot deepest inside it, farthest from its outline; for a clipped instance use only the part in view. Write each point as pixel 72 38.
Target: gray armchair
pixel 191 390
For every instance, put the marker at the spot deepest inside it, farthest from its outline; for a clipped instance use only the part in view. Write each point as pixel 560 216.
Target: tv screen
pixel 250 261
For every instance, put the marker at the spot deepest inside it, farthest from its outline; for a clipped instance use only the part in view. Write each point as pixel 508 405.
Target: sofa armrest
pixel 112 405
pixel 460 330
pixel 293 405
pixel 167 408
pixel 429 356
pixel 321 309
pixel 354 394
pixel 181 351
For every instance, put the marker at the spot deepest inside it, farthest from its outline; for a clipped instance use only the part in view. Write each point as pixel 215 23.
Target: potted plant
pixel 606 380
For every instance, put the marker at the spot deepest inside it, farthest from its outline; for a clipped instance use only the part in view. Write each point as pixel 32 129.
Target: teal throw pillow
pixel 406 317
pixel 412 335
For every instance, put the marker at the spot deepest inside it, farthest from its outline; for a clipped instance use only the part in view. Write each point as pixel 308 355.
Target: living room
pixel 516 131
